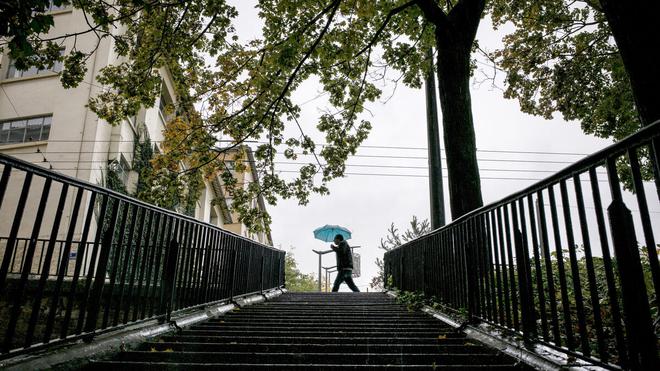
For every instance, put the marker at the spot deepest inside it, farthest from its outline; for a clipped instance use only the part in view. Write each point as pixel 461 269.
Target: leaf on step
pixel 168 350
pixel 442 337
pixel 153 349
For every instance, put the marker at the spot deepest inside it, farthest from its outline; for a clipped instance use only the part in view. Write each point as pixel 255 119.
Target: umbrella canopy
pixel 327 233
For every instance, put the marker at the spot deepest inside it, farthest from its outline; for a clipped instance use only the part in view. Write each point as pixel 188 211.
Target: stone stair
pixel 299 331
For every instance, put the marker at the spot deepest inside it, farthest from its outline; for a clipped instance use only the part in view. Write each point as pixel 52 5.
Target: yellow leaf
pixel 442 337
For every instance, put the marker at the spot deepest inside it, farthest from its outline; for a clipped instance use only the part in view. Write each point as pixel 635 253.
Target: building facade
pixel 43 123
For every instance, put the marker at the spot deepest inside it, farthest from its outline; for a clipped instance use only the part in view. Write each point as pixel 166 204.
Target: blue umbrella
pixel 328 232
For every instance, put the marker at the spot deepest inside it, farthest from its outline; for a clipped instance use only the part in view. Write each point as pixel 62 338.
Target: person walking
pixel 344 264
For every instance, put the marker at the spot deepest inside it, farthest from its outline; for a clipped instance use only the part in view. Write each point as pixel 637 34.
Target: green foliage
pixel 155 34
pixel 297 281
pixel 157 186
pixel 413 301
pixel 416 300
pixel 605 305
pixel 394 239
pixel 561 57
pixel 112 180
pixel 347 48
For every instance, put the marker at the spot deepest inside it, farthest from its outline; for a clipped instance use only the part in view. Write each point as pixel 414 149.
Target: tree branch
pixel 433 13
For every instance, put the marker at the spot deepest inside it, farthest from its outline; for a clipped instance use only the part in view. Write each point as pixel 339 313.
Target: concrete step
pixel 374 333
pixel 311 358
pixel 339 331
pixel 137 365
pixel 276 347
pixel 247 320
pixel 224 339
pixel 321 326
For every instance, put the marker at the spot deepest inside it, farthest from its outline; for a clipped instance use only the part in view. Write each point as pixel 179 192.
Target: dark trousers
pixel 345 276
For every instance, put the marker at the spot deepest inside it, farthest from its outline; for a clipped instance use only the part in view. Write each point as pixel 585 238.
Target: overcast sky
pixel 368 204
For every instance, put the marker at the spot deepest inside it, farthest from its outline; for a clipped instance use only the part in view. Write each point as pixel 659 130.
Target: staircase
pixel 338 331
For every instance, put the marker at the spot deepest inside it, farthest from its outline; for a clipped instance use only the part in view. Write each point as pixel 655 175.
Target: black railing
pixel 78 259
pixel 548 263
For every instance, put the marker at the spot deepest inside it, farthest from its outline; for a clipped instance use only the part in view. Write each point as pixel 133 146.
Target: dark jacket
pixel 344 256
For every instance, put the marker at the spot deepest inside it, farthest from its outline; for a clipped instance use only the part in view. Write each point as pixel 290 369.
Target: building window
pixel 13 72
pixel 51 7
pixel 123 169
pixel 162 107
pixel 25 130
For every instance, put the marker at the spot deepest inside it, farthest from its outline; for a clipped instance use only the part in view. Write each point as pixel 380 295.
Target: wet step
pixel 339 331
pixel 311 358
pixel 313 339
pixel 276 347
pixel 137 365
pixel 278 321
pixel 329 326
pixel 374 333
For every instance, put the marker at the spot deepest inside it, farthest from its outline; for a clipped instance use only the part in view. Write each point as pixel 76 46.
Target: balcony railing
pixel 78 259
pixel 552 264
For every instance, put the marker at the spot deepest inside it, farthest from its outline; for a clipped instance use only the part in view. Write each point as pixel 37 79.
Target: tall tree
pixel 634 27
pixel 339 44
pixel 587 60
pixel 347 47
pixel 563 56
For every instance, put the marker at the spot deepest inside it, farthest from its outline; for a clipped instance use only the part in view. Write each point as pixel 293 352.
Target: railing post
pixel 233 271
pixel 472 270
pixel 206 274
pixel 400 285
pixel 169 277
pixel 655 159
pixel 525 289
pixel 99 279
pixel 641 340
pixel 281 264
pixel 386 270
pixel 261 275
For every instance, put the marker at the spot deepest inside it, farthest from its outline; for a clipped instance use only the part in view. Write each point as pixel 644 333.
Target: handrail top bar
pixel 322 252
pixel 20 164
pixel 644 134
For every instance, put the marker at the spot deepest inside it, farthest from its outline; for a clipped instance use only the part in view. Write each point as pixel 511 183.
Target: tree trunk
pixel 458 127
pixel 634 26
pixel 454 35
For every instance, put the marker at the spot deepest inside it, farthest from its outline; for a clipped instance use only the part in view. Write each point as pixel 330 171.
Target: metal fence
pixel 78 259
pixel 552 264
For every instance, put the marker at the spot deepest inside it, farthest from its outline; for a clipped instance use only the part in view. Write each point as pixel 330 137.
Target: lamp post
pixel 435 163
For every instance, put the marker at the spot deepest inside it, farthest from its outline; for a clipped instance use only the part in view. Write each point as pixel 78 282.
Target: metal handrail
pixel 134 261
pixel 530 268
pixel 26 166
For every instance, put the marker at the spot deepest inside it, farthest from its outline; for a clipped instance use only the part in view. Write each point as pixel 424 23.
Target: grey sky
pixel 368 204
